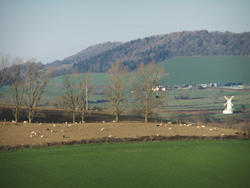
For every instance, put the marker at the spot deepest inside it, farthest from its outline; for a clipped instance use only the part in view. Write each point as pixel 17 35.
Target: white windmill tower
pixel 229 109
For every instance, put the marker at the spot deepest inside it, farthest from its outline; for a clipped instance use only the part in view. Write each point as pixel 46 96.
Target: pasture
pixel 36 133
pixel 200 163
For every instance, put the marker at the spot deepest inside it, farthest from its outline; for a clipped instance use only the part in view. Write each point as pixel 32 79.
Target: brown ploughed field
pixel 34 133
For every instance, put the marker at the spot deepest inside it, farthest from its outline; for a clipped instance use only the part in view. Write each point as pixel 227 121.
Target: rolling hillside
pixel 194 70
pixel 161 47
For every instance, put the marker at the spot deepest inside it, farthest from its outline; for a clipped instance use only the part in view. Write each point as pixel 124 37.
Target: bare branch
pixel 148 100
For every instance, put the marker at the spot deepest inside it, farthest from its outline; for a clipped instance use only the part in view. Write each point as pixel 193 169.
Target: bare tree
pixel 118 83
pixel 148 100
pixel 36 82
pixel 17 84
pixel 4 71
pixel 75 92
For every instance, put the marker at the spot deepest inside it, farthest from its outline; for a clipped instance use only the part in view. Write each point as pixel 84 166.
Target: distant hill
pixel 161 47
pixel 65 65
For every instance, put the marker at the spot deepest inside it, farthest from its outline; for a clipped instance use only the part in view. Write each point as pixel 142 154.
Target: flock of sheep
pixel 35 134
pixel 189 125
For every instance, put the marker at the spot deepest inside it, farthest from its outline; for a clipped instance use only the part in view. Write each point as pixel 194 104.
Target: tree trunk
pixel 74 116
pixel 146 118
pixel 117 118
pixel 30 118
pixel 83 116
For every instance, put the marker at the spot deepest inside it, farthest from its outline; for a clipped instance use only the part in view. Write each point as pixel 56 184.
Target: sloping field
pixel 223 163
pixel 33 134
pixel 208 69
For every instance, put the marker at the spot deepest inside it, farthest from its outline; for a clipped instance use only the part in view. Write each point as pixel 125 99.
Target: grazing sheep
pixel 222 134
pixel 66 122
pixel 180 124
pixel 110 136
pixel 75 122
pixel 157 125
pixel 160 124
pixel 32 132
pixel 62 130
pixel 103 121
pixel 204 135
pixel 13 121
pixel 40 123
pixel 47 129
pixel 102 129
pixel 51 131
pixel 211 129
pixel 166 125
pixel 83 122
pixel 184 124
pixel 157 135
pixel 41 136
pixel 188 125
pixel 114 121
pixel 203 126
pixel 25 122
pixel 198 127
pixel 170 128
pixel 31 136
pixel 69 125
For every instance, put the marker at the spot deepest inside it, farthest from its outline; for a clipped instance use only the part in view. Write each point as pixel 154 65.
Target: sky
pixel 50 30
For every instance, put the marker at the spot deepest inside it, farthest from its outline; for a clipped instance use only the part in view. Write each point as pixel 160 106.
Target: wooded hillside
pixel 160 47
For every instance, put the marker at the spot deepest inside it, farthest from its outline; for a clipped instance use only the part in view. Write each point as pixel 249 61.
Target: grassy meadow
pixel 222 163
pixel 209 69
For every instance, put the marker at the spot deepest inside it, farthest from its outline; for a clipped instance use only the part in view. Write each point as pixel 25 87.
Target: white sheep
pixel 160 124
pixel 103 121
pixel 222 134
pixel 198 127
pixel 180 124
pixel 51 131
pixel 31 136
pixel 157 135
pixel 114 121
pixel 62 130
pixel 110 136
pixel 25 122
pixel 75 122
pixel 69 125
pixel 40 123
pixel 166 125
pixel 41 136
pixel 54 125
pixel 13 121
pixel 32 132
pixel 102 129
pixel 66 122
pixel 170 128
pixel 211 129
pixel 203 126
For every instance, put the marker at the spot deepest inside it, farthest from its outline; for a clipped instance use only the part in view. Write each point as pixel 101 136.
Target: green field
pixel 208 69
pixel 223 163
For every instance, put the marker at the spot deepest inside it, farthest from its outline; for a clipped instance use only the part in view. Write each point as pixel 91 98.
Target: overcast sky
pixel 51 30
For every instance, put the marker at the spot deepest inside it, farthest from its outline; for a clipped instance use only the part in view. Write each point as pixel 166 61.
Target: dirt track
pixel 13 135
